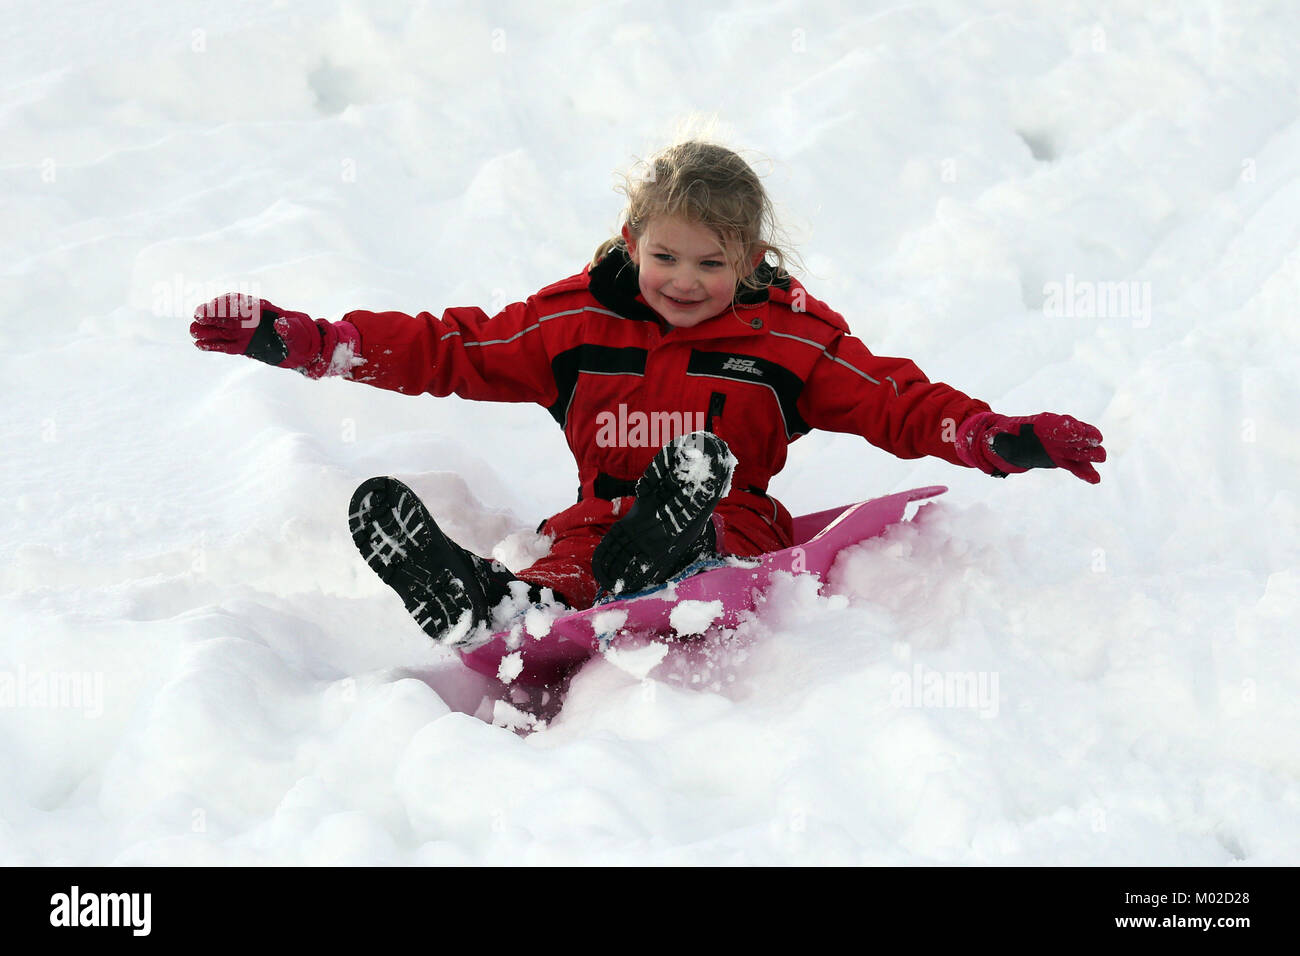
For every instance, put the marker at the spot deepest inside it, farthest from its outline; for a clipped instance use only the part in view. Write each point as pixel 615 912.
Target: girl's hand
pixel 244 325
pixel 999 446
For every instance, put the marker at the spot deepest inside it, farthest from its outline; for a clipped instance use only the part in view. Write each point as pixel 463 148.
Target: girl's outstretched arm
pixel 891 403
pixel 465 351
pixel 500 358
pixel 888 401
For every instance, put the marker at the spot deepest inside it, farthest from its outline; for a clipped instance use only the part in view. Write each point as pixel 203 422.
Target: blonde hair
pixel 711 185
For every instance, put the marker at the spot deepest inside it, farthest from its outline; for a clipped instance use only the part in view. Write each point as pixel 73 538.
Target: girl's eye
pixel 707 263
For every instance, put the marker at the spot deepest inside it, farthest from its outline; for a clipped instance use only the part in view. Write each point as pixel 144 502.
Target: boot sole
pixel 401 543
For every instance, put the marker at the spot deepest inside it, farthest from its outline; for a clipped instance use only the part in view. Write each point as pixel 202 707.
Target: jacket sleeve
pixel 888 401
pixel 500 358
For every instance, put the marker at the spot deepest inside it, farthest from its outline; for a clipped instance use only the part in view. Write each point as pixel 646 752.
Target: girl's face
pixel 684 272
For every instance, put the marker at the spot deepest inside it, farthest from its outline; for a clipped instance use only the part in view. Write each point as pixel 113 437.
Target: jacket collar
pixel 613 283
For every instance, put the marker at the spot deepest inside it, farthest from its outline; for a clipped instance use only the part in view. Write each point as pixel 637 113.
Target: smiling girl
pixel 688 315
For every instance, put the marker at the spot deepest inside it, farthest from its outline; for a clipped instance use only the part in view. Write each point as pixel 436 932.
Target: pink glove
pixel 999 446
pixel 244 325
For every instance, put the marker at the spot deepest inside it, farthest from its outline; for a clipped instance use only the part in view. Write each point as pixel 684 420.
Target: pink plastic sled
pixel 547 658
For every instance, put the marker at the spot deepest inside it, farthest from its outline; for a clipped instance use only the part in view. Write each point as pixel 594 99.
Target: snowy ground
pixel 960 178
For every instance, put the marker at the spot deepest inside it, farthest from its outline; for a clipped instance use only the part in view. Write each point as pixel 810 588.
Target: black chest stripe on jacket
pixel 594 360
pixel 783 383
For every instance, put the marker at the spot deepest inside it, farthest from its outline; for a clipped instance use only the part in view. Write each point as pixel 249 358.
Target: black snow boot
pixel 450 592
pixel 669 526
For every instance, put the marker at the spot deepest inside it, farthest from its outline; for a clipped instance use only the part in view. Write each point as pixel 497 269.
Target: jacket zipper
pixel 716 401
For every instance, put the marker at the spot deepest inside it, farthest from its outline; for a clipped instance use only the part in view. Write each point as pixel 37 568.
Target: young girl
pixel 680 363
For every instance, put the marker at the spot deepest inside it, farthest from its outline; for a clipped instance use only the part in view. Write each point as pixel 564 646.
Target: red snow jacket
pixel 621 382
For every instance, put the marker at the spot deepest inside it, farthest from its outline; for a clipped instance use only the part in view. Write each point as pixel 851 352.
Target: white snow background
pixel 237 687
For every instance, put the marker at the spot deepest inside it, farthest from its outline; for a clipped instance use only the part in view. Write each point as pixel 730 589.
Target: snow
pixel 343 360
pixel 608 622
pixel 511 666
pixel 695 471
pixel 640 661
pixel 694 617
pixel 1092 210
